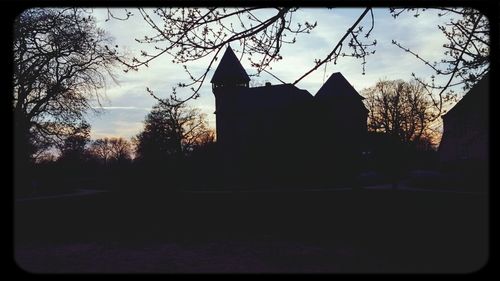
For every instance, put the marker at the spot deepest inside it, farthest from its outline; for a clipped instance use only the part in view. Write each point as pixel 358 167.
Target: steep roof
pixel 474 102
pixel 337 86
pixel 229 69
pixel 273 96
pixel 270 98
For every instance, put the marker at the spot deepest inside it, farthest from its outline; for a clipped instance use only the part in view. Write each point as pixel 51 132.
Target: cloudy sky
pixel 128 101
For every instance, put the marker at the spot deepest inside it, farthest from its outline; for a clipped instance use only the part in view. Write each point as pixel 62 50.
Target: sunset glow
pixel 128 101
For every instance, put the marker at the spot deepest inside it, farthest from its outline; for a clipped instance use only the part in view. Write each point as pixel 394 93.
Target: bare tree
pixel 100 149
pixel 111 149
pixel 172 130
pixel 60 62
pixel 401 109
pixel 121 149
pixel 74 147
pixel 466 57
pixel 190 34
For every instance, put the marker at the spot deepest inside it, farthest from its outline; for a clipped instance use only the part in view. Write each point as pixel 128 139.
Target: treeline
pixel 172 151
pixel 176 150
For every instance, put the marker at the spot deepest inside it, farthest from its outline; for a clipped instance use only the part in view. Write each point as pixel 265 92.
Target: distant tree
pixel 121 149
pixel 60 61
pixel 400 109
pixel 204 139
pixel 111 149
pixel 172 131
pixel 74 147
pixel 45 157
pixel 100 150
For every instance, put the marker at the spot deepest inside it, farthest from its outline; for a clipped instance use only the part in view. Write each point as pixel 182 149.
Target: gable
pixel 337 87
pixel 229 69
pixel 272 97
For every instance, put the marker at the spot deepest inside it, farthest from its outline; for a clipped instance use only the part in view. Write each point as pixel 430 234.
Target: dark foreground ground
pixel 275 232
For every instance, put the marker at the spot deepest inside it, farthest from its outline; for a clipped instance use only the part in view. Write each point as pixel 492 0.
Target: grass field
pixel 279 232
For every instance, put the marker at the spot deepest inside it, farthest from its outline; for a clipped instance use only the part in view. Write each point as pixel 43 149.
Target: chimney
pixel 268 84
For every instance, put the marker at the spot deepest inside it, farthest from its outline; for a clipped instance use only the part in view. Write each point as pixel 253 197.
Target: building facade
pixel 465 127
pixel 280 133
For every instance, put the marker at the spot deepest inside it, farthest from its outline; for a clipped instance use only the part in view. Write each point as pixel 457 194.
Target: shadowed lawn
pixel 323 231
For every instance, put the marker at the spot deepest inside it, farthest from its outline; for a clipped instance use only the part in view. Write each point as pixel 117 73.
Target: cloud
pixel 117 128
pixel 129 101
pixel 122 107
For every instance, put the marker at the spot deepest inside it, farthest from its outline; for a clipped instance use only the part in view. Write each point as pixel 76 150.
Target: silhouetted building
pixel 465 135
pixel 280 133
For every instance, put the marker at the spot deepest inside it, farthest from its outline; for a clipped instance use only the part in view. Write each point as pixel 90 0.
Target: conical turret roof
pixel 230 69
pixel 337 86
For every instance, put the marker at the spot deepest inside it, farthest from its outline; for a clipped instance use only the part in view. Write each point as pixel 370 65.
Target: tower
pixel 342 106
pixel 228 80
pixel 341 127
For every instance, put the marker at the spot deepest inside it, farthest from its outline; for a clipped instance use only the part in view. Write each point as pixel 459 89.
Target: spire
pixel 337 86
pixel 230 69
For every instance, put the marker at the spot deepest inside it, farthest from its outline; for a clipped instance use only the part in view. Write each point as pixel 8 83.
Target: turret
pixel 228 82
pixel 340 101
pixel 229 73
pixel 229 79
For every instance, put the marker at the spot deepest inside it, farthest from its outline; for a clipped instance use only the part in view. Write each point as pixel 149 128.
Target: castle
pixel 465 132
pixel 280 134
pixel 464 148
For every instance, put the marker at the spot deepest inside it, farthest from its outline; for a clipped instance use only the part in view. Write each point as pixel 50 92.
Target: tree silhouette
pixel 74 147
pixel 172 131
pixel 191 34
pixel 100 150
pixel 111 149
pixel 401 109
pixel 466 57
pixel 60 62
